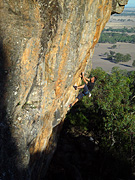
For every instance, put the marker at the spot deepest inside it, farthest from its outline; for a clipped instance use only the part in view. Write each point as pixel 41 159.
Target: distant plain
pixel 126 19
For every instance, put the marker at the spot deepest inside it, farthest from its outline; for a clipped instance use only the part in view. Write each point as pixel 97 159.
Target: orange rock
pixel 45 45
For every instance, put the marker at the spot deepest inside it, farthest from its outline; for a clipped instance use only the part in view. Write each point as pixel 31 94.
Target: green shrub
pixel 110 112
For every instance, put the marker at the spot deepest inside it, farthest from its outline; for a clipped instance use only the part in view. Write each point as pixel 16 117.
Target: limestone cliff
pixel 44 46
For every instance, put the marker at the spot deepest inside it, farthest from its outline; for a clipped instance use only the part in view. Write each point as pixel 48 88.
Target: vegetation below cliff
pixel 97 141
pixel 78 157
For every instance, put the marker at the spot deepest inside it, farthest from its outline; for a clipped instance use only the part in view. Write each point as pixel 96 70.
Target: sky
pixel 131 3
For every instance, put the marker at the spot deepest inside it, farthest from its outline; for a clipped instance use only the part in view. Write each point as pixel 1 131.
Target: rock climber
pixel 87 88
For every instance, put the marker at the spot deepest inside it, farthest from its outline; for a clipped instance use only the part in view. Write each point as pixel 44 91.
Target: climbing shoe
pixel 89 94
pixel 70 105
pixel 75 87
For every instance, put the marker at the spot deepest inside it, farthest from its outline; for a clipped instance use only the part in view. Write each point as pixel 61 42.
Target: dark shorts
pixel 84 93
pixel 80 96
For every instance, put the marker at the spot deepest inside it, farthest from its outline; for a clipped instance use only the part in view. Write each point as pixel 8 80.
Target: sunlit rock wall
pixel 44 46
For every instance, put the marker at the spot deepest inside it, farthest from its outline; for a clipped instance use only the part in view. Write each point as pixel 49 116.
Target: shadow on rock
pixel 78 157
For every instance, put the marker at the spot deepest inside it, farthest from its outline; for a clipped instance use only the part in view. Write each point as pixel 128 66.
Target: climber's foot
pixel 75 87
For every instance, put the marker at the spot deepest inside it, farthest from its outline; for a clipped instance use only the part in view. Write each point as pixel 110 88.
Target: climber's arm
pixel 81 87
pixel 85 79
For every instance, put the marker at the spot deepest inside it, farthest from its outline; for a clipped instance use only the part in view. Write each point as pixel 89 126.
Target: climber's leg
pixel 80 96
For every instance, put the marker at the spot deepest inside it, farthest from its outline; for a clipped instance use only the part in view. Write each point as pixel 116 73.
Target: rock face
pixel 44 46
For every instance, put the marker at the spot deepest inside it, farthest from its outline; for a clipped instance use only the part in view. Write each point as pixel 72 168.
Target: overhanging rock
pixel 44 46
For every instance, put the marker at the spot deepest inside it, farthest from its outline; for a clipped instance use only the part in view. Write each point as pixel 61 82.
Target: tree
pixel 118 57
pixel 112 53
pixel 113 37
pixel 113 47
pixel 127 57
pixel 111 111
pixel 133 64
pixel 109 57
pixel 106 53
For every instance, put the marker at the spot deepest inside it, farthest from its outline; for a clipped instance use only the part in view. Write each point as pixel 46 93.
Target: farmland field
pixel 127 20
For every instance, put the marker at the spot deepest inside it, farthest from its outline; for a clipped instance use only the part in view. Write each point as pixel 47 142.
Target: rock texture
pixel 118 6
pixel 44 46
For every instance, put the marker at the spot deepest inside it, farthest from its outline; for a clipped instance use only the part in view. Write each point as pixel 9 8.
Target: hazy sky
pixel 131 3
